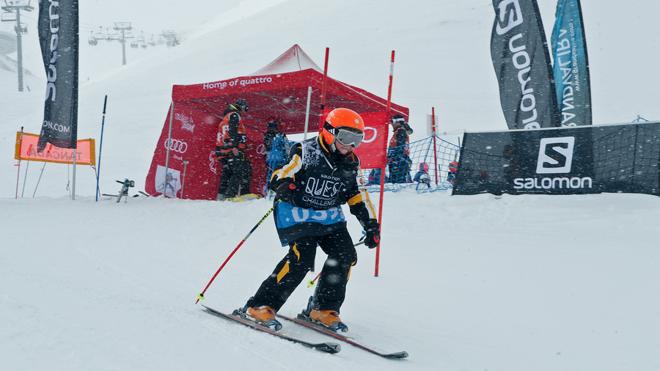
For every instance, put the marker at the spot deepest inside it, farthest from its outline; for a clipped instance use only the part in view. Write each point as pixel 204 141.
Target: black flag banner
pixel 58 36
pixel 521 59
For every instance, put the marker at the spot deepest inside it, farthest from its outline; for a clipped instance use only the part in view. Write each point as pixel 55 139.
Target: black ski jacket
pixel 324 179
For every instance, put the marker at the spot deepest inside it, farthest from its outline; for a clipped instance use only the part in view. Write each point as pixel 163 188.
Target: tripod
pixel 125 185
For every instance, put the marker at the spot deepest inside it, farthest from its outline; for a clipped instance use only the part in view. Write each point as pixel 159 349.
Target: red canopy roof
pixel 282 94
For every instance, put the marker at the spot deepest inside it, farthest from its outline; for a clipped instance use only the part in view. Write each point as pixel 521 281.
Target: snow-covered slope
pixel 467 283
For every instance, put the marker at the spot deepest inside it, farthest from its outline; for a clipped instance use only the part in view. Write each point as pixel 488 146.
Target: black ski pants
pixel 235 177
pixel 291 270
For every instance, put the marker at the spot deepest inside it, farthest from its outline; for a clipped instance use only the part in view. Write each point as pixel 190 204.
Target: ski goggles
pixel 398 120
pixel 347 137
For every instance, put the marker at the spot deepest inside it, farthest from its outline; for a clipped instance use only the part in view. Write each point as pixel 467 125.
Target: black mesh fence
pixel 617 158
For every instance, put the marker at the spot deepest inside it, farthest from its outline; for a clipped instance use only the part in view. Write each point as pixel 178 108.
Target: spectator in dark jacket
pixel 272 129
pixel 231 142
pixel 398 153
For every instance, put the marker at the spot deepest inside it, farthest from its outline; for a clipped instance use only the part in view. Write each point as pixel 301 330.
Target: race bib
pixel 288 215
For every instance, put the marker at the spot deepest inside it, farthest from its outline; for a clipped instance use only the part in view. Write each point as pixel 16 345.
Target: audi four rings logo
pixel 369 138
pixel 176 145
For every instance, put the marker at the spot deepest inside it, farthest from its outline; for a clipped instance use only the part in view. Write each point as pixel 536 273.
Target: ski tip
pixel 331 348
pixel 397 355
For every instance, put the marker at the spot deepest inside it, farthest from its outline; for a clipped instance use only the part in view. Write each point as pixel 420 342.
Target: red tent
pixel 278 90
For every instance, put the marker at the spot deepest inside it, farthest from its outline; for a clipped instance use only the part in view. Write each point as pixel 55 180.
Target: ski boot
pixel 323 317
pixel 263 315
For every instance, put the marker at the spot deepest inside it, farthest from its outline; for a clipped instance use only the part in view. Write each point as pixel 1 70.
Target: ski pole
pixel 18 152
pixel 27 167
pixel 98 173
pixel 39 180
pixel 312 282
pixel 201 295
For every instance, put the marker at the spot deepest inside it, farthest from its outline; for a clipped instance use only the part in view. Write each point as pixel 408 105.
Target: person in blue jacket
pixel 398 153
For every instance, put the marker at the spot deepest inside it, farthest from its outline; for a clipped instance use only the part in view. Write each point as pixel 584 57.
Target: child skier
pixel 320 176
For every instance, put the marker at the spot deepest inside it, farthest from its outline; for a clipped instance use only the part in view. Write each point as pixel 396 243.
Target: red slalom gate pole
pixel 382 172
pixel 325 76
pixel 201 295
pixel 435 153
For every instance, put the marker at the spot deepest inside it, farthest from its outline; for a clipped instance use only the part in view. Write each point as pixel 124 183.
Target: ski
pixel 318 328
pixel 322 347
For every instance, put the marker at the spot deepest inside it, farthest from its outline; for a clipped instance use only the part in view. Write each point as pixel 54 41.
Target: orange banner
pixel 26 149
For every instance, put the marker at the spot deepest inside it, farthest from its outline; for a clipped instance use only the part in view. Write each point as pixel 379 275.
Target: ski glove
pixel 373 233
pixel 284 190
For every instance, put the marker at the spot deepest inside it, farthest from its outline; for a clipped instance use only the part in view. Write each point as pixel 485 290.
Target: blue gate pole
pixel 98 173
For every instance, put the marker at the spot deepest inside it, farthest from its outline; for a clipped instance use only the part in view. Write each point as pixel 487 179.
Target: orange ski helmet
pixel 342 118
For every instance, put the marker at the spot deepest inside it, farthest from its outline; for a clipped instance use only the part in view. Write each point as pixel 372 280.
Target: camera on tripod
pixel 126 183
pixel 123 192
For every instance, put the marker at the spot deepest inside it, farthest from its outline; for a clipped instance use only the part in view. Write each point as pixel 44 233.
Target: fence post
pixel 435 152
